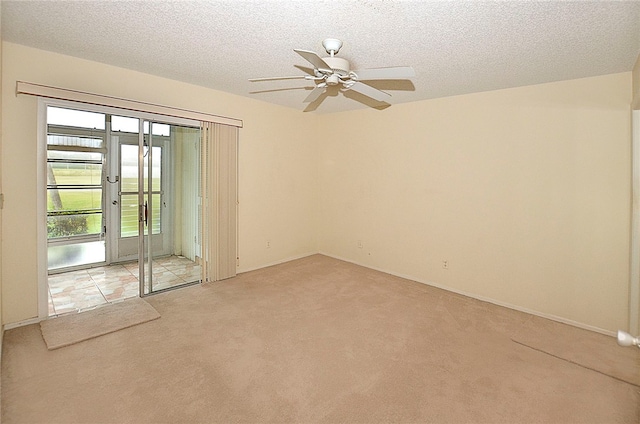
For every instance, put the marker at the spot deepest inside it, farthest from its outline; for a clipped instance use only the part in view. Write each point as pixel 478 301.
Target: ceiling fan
pixel 335 71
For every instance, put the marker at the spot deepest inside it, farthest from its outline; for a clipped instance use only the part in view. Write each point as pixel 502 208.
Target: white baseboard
pixel 407 277
pixel 485 299
pixel 281 261
pixel 22 323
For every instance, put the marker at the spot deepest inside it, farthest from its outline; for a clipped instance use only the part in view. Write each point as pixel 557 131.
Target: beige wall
pixel 636 106
pixel 525 192
pixel 277 177
pixel 1 320
pixel 636 84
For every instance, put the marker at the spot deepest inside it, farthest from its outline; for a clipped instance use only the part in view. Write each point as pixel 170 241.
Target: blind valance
pixel 110 101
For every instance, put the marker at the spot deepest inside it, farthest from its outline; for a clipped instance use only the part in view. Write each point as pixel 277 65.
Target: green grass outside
pixel 83 199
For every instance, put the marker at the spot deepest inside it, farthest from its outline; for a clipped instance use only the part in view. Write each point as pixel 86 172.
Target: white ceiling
pixel 455 47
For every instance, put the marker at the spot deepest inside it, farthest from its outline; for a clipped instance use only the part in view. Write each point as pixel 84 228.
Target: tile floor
pixel 85 289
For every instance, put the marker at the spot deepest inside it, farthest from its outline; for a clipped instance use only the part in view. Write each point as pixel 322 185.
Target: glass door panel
pixel 129 188
pixel 169 195
pixel 128 145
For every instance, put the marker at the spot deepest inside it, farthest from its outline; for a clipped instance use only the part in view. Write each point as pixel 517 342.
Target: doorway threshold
pixel 75 291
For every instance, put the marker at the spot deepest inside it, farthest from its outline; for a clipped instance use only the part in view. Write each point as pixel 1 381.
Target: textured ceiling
pixel 455 47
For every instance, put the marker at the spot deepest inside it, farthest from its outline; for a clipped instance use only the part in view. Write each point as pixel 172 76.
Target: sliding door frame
pixel 41 175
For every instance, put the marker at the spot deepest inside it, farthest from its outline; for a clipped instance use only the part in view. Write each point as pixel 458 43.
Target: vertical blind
pixel 220 198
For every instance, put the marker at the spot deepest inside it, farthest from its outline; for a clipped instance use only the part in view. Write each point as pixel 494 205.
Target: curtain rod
pixel 102 100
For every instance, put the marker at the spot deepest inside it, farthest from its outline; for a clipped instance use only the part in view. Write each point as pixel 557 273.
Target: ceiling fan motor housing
pixel 339 65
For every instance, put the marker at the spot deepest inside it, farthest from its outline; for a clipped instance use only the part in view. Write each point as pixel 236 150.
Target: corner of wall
pixel 1 201
pixel 318 137
pixel 636 84
pixel 1 195
pixel 634 321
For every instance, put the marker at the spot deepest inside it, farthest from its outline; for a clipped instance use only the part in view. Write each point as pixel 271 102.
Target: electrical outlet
pixel 268 244
pixel 360 245
pixel 445 264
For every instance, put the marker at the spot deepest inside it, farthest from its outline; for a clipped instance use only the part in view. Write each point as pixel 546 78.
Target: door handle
pixel 146 213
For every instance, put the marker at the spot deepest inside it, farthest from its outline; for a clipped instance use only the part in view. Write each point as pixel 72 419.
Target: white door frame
pixel 634 274
pixel 162 244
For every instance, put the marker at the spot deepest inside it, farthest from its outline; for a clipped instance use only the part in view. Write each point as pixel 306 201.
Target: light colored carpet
pixel 69 329
pixel 585 348
pixel 315 340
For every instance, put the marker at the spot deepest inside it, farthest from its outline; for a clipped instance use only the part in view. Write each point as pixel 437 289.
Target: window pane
pixel 131 125
pixel 73 225
pixel 128 168
pixel 155 208
pixel 75 254
pixel 75 141
pixel 74 207
pixel 88 156
pixel 129 215
pixel 156 184
pixel 75 118
pixel 124 124
pixel 64 173
pixel 75 199
pixel 158 129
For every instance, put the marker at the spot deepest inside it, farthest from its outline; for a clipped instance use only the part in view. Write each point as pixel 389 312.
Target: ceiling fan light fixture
pixel 333 79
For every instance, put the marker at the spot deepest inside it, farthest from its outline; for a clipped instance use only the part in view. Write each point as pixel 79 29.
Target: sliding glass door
pixel 157 201
pixel 168 197
pixel 125 146
pixel 123 191
pixel 135 202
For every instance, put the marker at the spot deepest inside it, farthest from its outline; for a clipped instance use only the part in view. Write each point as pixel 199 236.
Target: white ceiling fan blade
pixel 397 72
pixel 277 78
pixel 369 91
pixel 314 59
pixel 315 93
pixel 314 104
